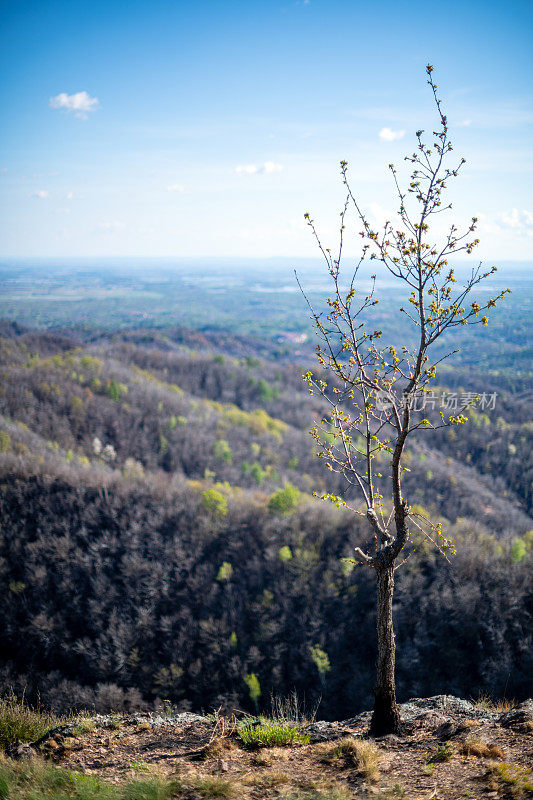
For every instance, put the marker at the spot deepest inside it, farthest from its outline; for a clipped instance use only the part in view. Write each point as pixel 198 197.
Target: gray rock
pixel 442 707
pixel 188 718
pixel 20 750
pixel 154 720
pixel 520 715
pixel 184 718
pixel 325 731
pixel 364 717
pixel 447 706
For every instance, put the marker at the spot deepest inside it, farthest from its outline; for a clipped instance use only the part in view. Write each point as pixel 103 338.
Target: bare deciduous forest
pixel 160 539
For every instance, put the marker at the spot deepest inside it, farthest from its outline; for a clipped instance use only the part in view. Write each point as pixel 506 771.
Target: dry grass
pixel 262 758
pixel 480 749
pixel 498 706
pixel 217 748
pixel 267 779
pixel 392 793
pixel 84 725
pixel 334 793
pixel 20 722
pixel 352 753
pixel 291 710
pixel 212 787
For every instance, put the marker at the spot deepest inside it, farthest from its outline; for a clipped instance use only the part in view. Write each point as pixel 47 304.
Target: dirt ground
pixel 442 754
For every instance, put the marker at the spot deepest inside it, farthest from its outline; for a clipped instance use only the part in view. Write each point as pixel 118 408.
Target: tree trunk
pixel 386 716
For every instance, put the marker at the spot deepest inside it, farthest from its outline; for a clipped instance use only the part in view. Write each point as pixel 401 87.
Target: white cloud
pixel 298 224
pixel 40 194
pixel 465 123
pixel 271 166
pixel 378 214
pixel 248 169
pixel 110 227
pixel 520 222
pixel 388 135
pixel 70 195
pixel 79 104
pixel 176 187
pixel 259 169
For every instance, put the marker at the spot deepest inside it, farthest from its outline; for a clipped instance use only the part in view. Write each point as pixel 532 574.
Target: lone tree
pixel 377 394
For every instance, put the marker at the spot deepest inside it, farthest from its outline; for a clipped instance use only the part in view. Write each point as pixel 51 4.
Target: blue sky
pixel 188 129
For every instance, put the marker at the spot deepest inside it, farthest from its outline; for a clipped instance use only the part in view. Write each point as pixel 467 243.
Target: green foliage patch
pixel 284 501
pixel 215 503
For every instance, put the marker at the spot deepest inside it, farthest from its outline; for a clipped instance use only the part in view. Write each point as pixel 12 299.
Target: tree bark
pixel 386 716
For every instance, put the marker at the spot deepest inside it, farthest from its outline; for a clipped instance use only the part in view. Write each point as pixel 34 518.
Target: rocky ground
pixel 449 749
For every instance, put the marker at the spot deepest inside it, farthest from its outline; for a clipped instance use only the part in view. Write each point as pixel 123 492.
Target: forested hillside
pixel 160 540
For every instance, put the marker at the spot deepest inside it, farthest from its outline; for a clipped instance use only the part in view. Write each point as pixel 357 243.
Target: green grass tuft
pixel 271 734
pixel 500 706
pixel 444 752
pixel 36 779
pixel 151 789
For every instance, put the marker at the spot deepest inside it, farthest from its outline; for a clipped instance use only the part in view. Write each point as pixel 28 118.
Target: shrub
pixel 223 451
pixel 285 553
pixel 115 391
pixel 215 503
pixel 254 688
pixel 267 392
pixel 225 572
pixel 258 473
pixel 284 501
pixel 518 550
pixel 320 659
